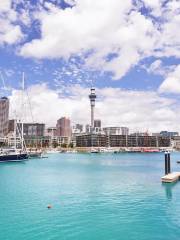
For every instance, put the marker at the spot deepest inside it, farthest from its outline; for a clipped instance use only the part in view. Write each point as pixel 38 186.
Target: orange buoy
pixel 49 206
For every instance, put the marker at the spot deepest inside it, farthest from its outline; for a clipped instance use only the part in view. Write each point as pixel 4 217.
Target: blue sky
pixel 63 47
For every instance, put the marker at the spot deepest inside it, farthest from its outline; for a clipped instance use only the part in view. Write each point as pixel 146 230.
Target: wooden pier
pixel 171 177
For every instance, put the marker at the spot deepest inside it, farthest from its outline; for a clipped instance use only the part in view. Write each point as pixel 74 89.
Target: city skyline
pixel 132 60
pixel 85 118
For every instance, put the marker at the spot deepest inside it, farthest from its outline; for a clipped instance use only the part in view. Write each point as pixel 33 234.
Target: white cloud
pixel 5 5
pixel 171 83
pixel 100 28
pixel 103 27
pixel 10 32
pixel 12 35
pixel 115 107
pixel 158 68
pixel 169 41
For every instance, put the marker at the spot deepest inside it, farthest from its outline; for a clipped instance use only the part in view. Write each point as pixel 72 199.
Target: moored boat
pixel 93 150
pixel 13 156
pixel 151 150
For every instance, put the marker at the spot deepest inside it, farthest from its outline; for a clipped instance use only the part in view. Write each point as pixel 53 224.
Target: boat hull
pixel 13 157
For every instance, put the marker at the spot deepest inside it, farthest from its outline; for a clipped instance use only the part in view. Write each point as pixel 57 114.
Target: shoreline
pixel 108 150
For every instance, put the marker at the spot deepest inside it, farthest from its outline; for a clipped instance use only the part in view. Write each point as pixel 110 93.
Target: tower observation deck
pixel 92 98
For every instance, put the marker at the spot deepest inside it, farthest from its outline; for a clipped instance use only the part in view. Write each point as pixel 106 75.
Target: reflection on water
pixel 169 189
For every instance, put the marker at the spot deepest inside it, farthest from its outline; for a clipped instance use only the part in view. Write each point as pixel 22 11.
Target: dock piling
pixel 169 177
pixel 169 162
pixel 166 163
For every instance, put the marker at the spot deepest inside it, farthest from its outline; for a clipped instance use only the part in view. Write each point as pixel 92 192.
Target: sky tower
pixel 92 98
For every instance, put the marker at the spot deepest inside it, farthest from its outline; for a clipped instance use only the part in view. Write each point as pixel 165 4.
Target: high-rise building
pixel 97 126
pixel 4 116
pixel 51 131
pixel 78 128
pixel 63 127
pixel 11 124
pixel 97 123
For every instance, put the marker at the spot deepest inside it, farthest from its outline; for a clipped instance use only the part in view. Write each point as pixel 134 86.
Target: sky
pixel 128 50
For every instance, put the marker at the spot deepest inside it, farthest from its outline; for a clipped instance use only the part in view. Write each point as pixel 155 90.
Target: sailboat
pixel 15 154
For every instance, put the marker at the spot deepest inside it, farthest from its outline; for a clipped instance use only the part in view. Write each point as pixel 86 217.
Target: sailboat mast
pixel 15 126
pixel 22 123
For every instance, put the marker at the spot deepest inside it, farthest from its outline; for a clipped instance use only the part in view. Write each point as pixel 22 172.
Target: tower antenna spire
pixel 92 83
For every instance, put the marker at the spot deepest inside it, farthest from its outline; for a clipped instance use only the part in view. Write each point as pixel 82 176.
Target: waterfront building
pixel 138 141
pixel 116 130
pixel 63 127
pixel 32 129
pixel 29 129
pixel 4 116
pixel 103 140
pixel 175 142
pixel 91 140
pixel 33 134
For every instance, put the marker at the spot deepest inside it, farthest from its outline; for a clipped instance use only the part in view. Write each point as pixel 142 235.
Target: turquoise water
pixel 93 196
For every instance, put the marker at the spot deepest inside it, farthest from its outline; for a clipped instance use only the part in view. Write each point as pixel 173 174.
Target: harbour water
pixel 93 196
